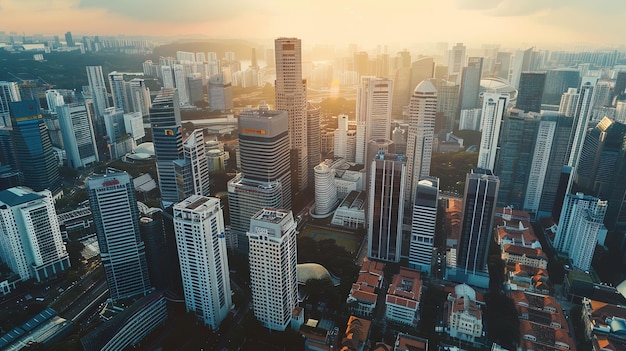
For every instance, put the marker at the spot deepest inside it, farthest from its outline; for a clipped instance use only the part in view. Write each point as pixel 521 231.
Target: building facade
pixel 291 98
pixel 199 227
pixel 78 135
pixel 273 258
pixel 423 224
pixel 114 208
pixel 30 243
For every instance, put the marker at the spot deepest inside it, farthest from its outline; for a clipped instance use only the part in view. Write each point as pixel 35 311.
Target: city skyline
pixel 554 23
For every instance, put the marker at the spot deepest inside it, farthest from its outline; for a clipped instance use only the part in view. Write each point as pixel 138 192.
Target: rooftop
pixel 525 251
pixel 17 196
pixel 406 284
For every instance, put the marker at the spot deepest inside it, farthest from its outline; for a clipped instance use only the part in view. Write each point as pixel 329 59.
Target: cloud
pixel 177 11
pixel 529 7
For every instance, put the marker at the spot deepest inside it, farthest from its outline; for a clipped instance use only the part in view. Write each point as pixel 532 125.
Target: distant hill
pixel 65 70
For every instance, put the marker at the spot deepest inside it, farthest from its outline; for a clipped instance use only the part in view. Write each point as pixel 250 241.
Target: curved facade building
pixel 325 188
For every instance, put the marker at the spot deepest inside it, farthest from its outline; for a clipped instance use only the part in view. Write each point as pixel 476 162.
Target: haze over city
pixel 549 24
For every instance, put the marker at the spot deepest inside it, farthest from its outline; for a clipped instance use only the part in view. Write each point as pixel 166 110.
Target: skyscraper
pixel 530 91
pixel 419 146
pixel 479 205
pixel 140 96
pixel 494 107
pixel 582 116
pixel 265 164
pixel 373 114
pixel 115 214
pixel 540 159
pixel 78 136
pixel 220 93
pixel 345 140
pixel 423 224
pixel 514 158
pixel 273 258
pixel 569 101
pixel 602 169
pixel 580 223
pixel 470 83
pixel 313 115
pixel 33 149
pixel 192 171
pixel 291 98
pixel 559 81
pixel 168 141
pixel 385 210
pixel 69 40
pixel 98 90
pixel 180 80
pixel 199 226
pixel 456 59
pixel 31 244
pixel 9 92
pixel 118 92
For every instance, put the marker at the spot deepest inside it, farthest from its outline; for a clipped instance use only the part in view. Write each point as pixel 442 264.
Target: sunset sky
pixel 547 23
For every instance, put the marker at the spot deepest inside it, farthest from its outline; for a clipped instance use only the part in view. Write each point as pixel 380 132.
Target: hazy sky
pixel 365 22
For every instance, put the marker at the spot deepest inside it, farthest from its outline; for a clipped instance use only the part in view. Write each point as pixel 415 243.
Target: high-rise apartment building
pixel 33 149
pixel 479 205
pixel 569 101
pixel 220 93
pixel 31 244
pixel 98 90
pixel 192 171
pixel 79 141
pixel 139 96
pixel 494 107
pixel 167 76
pixel 168 141
pixel 385 210
pixel 580 224
pixel 530 91
pixel 118 86
pixel 423 224
pixel 9 92
pixel 273 258
pixel 540 159
pixel 199 227
pixel 180 80
pixel 345 140
pixel 116 217
pixel 419 146
pixel 373 114
pixel 291 98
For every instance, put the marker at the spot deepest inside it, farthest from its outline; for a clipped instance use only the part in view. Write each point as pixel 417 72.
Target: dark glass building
pixel 530 91
pixel 479 205
pixel 557 82
pixel 33 149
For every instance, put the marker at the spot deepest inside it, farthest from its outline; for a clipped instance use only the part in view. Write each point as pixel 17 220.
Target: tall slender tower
pixel 582 116
pixel 199 227
pixel 386 207
pixel 291 97
pixel 78 137
pixel 168 141
pixel 273 258
pixel 192 171
pixel 33 148
pixel 479 205
pixel 118 91
pixel 423 224
pixel 98 89
pixel 9 92
pixel 373 115
pixel 115 214
pixel 494 107
pixel 314 135
pixel 419 146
